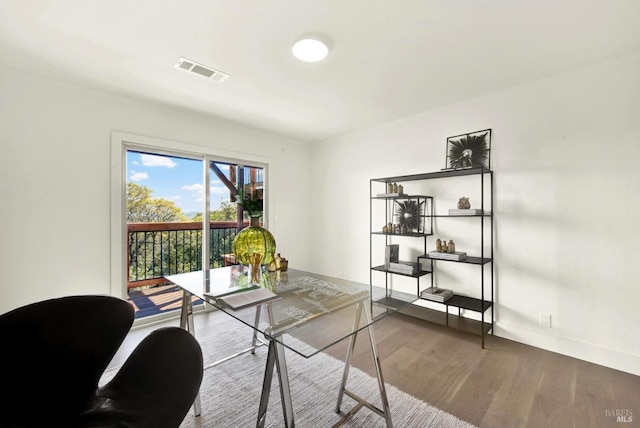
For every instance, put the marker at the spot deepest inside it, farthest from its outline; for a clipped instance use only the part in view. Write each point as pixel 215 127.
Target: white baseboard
pixel 584 351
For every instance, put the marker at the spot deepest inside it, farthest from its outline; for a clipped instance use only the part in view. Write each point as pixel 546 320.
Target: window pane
pixel 164 227
pixel 165 204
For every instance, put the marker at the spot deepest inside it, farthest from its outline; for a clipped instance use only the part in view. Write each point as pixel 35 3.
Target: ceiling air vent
pixel 202 70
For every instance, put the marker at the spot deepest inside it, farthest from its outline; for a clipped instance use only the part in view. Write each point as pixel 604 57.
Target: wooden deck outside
pixel 157 300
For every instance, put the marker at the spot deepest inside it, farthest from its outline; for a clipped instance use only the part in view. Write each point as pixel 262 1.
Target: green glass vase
pixel 254 246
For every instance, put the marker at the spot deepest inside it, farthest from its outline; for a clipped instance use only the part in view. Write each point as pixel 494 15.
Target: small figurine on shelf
pixel 395 187
pixel 385 229
pixel 438 245
pixel 463 203
pixel 451 248
pixel 400 189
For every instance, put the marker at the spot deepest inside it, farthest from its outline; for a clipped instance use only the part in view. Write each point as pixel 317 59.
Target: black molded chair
pixel 55 352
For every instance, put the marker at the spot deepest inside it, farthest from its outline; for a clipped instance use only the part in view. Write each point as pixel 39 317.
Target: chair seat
pixel 55 352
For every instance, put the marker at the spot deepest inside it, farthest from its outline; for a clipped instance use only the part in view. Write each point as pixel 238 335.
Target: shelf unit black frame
pixel 481 305
pixel 389 211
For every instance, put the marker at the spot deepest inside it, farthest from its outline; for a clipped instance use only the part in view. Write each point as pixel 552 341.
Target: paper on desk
pixel 249 298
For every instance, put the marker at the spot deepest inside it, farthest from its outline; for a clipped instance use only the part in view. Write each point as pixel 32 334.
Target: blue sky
pixel 175 179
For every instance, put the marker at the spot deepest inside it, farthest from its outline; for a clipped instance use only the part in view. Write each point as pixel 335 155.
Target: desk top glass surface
pixel 312 311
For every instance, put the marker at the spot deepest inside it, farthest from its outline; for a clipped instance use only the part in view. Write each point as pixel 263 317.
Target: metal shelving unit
pixel 479 303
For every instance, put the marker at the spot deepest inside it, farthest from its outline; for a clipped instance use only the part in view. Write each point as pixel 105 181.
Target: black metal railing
pixel 160 249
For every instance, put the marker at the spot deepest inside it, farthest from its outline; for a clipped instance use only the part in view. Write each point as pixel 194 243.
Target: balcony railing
pixel 160 249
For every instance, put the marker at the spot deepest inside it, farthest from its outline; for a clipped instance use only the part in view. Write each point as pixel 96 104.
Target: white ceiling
pixel 390 59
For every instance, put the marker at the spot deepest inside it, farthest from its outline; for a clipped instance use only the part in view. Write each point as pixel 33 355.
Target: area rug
pixel 230 392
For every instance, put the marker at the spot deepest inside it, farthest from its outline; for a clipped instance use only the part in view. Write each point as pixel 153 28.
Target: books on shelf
pixel 470 211
pixel 391 254
pixel 437 294
pixel 249 298
pixel 457 256
pixel 390 195
pixel 408 268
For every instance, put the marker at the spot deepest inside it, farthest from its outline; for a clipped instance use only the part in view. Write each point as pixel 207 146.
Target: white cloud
pixel 197 187
pixel 153 160
pixel 138 176
pixel 219 190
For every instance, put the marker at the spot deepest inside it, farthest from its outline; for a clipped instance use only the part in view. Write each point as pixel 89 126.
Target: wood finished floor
pixel 507 384
pixel 157 300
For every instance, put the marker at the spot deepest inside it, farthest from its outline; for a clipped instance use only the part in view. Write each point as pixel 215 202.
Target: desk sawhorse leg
pixel 186 322
pixel 276 357
pixel 384 412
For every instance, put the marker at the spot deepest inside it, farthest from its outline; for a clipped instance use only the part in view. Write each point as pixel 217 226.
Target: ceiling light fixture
pixel 311 47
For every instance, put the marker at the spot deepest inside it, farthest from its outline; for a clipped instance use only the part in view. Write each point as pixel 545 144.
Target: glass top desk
pixel 311 313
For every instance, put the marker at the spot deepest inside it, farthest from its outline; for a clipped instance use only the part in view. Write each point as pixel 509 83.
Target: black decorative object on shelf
pixel 409 215
pixel 469 150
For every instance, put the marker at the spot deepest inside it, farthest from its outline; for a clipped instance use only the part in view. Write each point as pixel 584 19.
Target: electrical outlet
pixel 545 320
pixel 345 275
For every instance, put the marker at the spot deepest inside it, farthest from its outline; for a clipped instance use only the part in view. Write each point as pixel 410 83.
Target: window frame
pixel 121 142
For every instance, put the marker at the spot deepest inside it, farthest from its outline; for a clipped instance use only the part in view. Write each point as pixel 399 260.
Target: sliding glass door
pixel 181 216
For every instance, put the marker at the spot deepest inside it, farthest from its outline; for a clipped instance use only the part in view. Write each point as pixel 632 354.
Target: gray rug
pixel 230 392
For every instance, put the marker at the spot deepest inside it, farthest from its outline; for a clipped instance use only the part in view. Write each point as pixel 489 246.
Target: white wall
pixel 566 157
pixel 55 181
